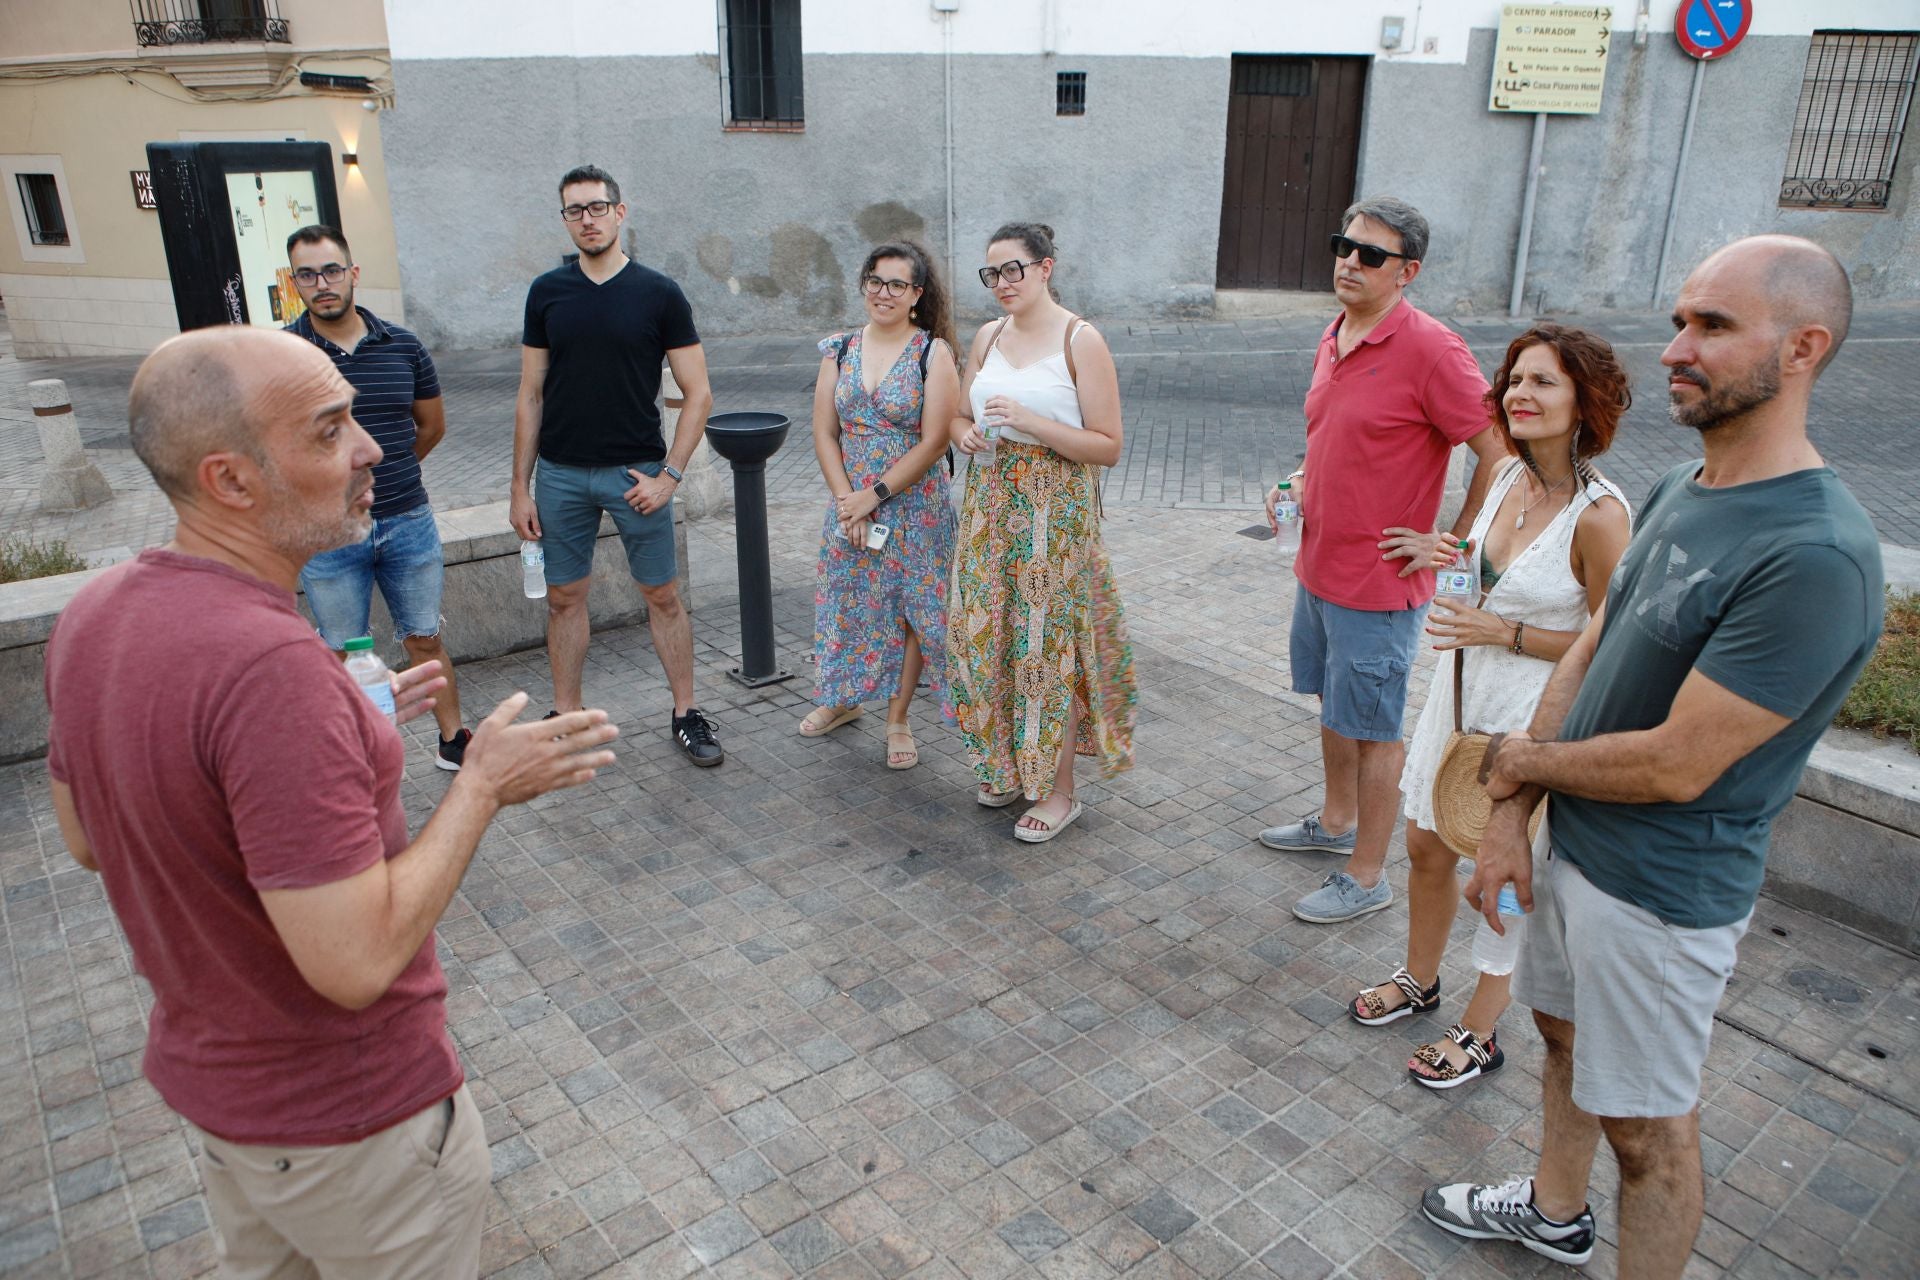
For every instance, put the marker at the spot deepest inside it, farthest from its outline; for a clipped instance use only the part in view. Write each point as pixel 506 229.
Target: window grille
pixel 1847 128
pixel 157 23
pixel 40 196
pixel 760 67
pixel 1070 93
pixel 1273 77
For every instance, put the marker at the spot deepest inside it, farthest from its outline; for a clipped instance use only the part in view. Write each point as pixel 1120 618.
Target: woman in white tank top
pixel 1039 667
pixel 1548 538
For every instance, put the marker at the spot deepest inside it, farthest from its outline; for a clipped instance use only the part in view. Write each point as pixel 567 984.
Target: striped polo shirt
pixel 389 370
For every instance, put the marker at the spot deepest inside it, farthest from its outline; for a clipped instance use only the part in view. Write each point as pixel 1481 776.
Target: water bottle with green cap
pixel 371 674
pixel 1459 581
pixel 1286 519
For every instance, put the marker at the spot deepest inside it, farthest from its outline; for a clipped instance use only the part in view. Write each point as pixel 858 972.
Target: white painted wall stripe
pixel 423 29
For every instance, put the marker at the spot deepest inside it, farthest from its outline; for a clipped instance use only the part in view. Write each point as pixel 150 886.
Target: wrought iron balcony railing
pixel 159 23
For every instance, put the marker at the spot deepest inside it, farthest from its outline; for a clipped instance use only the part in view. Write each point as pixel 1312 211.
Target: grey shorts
pixel 569 501
pixel 1357 661
pixel 1640 992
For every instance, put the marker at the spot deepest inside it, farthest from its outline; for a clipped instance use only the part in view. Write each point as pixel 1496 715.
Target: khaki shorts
pixel 407 1203
pixel 1640 993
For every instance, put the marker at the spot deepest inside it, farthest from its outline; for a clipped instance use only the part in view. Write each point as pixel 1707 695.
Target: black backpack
pixel 840 359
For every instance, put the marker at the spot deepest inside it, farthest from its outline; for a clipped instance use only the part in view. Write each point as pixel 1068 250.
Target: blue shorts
pixel 569 501
pixel 1357 661
pixel 402 556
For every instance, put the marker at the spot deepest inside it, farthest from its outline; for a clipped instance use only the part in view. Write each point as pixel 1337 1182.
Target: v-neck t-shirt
pixel 605 344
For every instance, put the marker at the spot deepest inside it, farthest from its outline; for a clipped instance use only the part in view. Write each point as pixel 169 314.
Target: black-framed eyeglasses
pixel 1371 255
pixel 872 285
pixel 332 273
pixel 598 208
pixel 1013 272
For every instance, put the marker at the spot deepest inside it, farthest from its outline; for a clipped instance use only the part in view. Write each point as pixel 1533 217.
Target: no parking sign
pixel 1711 28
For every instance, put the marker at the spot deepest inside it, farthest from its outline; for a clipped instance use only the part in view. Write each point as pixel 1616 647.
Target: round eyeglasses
pixel 872 286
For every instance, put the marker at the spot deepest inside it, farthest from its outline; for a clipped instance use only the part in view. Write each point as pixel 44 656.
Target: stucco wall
pixel 1604 194
pixel 766 231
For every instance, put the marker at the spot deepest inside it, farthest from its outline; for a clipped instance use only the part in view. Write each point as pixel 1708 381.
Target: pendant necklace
pixel 1521 521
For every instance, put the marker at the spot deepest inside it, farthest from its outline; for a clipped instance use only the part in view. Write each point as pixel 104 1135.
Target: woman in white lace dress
pixel 1548 538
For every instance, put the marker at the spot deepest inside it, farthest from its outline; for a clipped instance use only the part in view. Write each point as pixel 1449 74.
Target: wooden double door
pixel 1293 151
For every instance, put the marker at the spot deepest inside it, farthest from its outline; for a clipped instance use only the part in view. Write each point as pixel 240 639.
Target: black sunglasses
pixel 1371 255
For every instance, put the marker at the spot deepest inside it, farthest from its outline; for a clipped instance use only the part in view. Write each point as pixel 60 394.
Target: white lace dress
pixel 1503 688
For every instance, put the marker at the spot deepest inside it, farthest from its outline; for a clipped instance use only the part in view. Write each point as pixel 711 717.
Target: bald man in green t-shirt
pixel 1669 738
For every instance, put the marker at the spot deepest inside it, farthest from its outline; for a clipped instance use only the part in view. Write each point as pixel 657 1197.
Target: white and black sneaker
pixel 694 733
pixel 1506 1212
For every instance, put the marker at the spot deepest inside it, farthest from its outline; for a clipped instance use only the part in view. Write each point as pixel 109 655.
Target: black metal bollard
pixel 746 441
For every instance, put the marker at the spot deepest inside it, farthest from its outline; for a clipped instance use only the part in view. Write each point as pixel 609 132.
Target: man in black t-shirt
pixel 587 439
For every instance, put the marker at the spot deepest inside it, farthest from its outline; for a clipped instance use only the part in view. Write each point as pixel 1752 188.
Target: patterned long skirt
pixel 1035 624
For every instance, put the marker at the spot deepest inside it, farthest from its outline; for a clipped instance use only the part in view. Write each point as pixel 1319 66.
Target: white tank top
pixel 1042 386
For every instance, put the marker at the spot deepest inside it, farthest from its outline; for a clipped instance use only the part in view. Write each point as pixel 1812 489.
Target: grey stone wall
pixel 1603 197
pixel 766 231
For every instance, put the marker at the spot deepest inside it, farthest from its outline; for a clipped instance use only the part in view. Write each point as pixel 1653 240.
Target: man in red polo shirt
pixel 1393 392
pixel 266 880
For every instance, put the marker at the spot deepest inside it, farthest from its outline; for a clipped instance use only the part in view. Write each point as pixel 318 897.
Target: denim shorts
pixel 1640 993
pixel 402 556
pixel 1357 661
pixel 569 501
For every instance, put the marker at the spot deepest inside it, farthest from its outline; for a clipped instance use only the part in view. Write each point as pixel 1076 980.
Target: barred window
pixel 1070 93
pixel 1847 129
pixel 760 64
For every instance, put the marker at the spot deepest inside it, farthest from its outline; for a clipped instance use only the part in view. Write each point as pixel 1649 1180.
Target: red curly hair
pixel 1600 391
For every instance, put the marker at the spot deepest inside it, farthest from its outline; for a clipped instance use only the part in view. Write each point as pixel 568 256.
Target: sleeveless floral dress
pixel 861 597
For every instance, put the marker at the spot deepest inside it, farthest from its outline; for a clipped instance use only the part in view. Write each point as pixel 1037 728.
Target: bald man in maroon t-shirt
pixel 240 796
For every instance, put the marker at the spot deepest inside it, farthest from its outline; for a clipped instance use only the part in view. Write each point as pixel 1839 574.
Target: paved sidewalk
pixel 801 1015
pixel 1213 415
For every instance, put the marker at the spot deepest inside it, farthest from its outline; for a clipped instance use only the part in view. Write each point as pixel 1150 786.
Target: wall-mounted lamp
pixel 349 158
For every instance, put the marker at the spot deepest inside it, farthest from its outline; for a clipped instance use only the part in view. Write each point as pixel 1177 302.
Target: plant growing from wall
pixel 1886 698
pixel 23 558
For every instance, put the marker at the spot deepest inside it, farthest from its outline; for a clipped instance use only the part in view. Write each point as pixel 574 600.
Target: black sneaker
pixel 1506 1212
pixel 694 733
pixel 453 751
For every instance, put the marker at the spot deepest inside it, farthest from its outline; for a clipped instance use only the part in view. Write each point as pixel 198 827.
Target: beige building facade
pixel 85 85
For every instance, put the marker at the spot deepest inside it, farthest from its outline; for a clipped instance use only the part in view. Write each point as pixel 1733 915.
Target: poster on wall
pixel 226 210
pixel 266 209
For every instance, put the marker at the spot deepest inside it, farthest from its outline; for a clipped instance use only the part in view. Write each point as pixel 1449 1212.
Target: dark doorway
pixel 1293 150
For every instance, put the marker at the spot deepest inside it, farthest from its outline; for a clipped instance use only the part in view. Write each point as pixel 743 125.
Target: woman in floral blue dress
pixel 880 615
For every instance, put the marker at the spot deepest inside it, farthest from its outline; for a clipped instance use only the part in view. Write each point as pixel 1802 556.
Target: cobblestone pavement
pixel 1213 414
pixel 801 1015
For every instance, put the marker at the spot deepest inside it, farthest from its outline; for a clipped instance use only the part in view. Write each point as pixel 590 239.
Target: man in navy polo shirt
pixel 397 399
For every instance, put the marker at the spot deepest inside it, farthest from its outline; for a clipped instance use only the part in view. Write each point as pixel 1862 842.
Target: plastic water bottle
pixel 533 569
pixel 1286 518
pixel 1493 953
pixel 371 674
pixel 1460 580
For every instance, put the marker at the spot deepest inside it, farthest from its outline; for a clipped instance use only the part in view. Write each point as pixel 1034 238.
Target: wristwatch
pixel 673 471
pixel 881 491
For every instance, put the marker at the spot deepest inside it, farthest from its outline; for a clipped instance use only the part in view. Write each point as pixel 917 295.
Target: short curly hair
pixel 1600 391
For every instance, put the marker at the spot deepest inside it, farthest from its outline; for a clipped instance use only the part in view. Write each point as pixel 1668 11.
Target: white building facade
pixel 1177 150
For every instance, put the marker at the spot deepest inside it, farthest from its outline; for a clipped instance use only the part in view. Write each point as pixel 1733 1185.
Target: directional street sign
pixel 1551 58
pixel 1711 28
